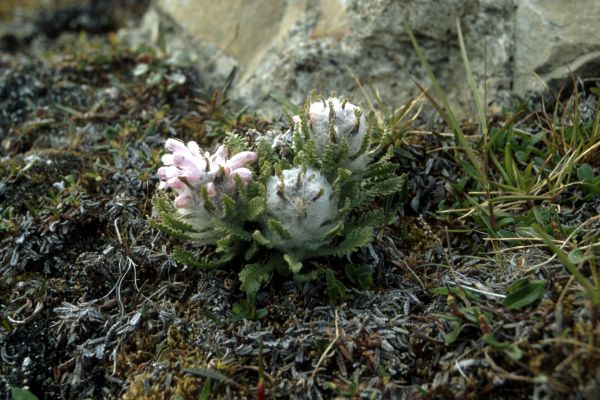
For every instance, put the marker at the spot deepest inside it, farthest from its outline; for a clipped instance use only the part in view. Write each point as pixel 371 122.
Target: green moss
pixel 32 175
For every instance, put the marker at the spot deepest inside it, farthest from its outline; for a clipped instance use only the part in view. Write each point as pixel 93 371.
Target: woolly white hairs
pixel 201 220
pixel 349 125
pixel 303 202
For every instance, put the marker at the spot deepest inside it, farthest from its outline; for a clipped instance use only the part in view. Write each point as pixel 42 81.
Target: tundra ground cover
pixel 484 272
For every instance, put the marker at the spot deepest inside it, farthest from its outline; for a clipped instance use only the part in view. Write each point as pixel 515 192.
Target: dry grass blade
pixel 326 352
pixel 447 110
pixel 216 375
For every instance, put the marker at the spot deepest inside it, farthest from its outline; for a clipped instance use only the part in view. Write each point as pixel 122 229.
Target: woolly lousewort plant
pixel 303 202
pixel 310 193
pixel 335 120
pixel 201 181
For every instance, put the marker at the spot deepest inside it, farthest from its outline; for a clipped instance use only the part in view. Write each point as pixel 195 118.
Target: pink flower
pixel 186 169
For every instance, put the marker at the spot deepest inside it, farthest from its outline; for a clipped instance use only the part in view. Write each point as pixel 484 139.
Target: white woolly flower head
pixel 187 169
pixel 348 123
pixel 303 202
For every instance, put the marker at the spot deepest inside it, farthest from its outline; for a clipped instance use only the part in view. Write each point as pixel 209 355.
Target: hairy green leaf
pixel 294 264
pixel 451 336
pixel 22 394
pixel 361 275
pixel 252 276
pixel 513 351
pixel 524 292
pixel 279 229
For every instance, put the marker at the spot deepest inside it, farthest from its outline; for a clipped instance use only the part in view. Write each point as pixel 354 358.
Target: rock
pixel 553 39
pixel 288 47
pixel 235 28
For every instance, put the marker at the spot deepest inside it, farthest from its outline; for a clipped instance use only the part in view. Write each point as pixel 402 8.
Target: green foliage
pixel 514 181
pixel 353 240
pixel 332 157
pixel 252 276
pixel 159 68
pixel 205 393
pixel 445 291
pixel 247 233
pixel 590 182
pixel 376 181
pixel 7 223
pixel 168 220
pixel 510 349
pixel 246 309
pixel 361 275
pixel 188 258
pixel 294 264
pixel 524 292
pixel 22 394
pixel 591 287
pixel 336 291
pixel 279 229
pixel 234 143
pixel 451 336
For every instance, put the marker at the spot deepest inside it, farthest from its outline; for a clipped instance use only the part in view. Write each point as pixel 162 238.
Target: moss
pixel 174 354
pixel 31 175
pixel 9 7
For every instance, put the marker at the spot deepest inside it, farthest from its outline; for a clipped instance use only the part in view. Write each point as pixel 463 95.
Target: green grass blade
pixel 449 114
pixel 472 84
pixel 564 258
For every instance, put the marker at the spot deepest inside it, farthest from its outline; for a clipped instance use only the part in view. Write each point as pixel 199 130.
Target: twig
pixel 327 350
pixel 564 243
pixel 486 293
pixel 452 271
pixel 405 264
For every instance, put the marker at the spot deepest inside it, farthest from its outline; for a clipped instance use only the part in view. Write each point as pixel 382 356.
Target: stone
pixel 285 48
pixel 243 30
pixel 554 39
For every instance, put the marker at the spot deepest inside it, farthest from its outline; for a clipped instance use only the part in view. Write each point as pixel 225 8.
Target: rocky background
pixel 288 47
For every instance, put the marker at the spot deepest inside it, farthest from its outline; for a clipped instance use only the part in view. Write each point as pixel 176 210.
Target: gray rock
pixel 288 47
pixel 554 38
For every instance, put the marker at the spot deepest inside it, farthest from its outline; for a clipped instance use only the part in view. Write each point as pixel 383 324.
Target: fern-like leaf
pixel 279 229
pixel 361 275
pixel 294 264
pixel 332 157
pixel 372 190
pixel 380 170
pixel 255 207
pixel 234 143
pixel 354 239
pixel 229 207
pixel 166 229
pixel 252 276
pixel 261 239
pixel 185 257
pixel 307 276
pixel 175 222
pixel 369 218
pixel 168 220
pixel 232 229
